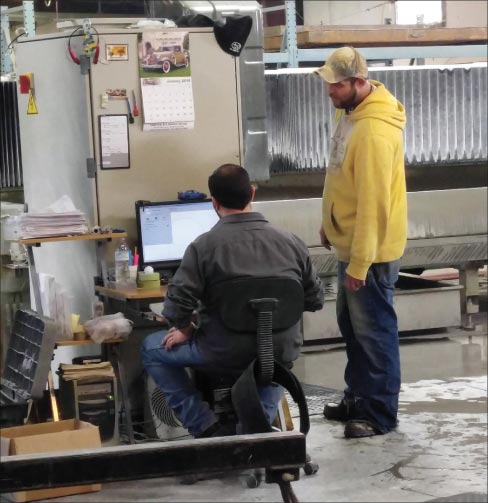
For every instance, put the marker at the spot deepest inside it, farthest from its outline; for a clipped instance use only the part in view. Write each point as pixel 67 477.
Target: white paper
pixel 114 141
pixel 62 205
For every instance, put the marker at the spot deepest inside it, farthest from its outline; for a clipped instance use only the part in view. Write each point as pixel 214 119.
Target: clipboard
pixel 114 141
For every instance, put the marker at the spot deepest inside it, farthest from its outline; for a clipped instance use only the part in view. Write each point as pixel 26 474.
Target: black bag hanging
pixel 232 34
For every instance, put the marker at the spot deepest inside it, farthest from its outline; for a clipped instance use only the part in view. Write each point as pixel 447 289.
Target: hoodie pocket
pixel 333 220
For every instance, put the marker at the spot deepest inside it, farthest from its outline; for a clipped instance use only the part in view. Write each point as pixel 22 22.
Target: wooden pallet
pixel 309 37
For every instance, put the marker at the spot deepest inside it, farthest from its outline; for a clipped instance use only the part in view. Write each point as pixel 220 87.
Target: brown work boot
pixel 359 429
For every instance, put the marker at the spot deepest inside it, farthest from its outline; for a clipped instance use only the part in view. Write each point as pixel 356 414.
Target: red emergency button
pixel 26 83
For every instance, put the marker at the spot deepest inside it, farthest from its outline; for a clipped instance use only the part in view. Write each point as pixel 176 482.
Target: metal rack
pixel 27 10
pixel 291 55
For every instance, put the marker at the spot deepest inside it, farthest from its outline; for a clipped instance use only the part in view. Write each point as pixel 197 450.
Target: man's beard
pixel 349 102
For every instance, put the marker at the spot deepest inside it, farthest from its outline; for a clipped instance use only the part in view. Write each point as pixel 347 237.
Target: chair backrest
pixel 237 312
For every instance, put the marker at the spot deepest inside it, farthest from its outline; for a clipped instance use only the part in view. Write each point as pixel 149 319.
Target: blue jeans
pixel 368 323
pixel 167 368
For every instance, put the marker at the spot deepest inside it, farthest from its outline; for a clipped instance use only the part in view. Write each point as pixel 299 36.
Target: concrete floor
pixel 438 451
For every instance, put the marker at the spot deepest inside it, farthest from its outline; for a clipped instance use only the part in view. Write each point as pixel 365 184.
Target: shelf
pixel 16 266
pixel 86 342
pixel 374 36
pixel 75 237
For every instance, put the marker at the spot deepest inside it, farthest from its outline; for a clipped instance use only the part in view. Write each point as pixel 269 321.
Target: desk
pixel 129 294
pixel 132 297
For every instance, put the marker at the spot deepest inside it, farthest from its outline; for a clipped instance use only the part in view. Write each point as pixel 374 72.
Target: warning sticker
pixel 32 107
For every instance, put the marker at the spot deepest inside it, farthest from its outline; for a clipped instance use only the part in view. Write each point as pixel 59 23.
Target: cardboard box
pixel 49 437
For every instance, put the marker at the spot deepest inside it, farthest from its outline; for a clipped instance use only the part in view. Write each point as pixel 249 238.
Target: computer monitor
pixel 165 229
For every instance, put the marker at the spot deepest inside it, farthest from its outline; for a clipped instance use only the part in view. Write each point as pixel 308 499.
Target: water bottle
pixel 122 262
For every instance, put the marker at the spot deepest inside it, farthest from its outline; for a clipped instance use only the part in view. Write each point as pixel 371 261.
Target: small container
pixel 148 280
pixel 133 272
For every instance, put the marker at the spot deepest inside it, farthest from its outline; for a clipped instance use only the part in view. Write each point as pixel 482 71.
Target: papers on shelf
pixel 59 219
pixel 73 372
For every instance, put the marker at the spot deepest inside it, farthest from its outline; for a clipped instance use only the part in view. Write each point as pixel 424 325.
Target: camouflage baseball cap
pixel 343 63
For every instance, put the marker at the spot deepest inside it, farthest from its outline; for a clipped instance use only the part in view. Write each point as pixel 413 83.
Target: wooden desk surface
pixel 132 292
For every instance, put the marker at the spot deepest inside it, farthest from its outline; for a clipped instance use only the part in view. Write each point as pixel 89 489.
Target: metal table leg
pixel 35 279
pixel 120 373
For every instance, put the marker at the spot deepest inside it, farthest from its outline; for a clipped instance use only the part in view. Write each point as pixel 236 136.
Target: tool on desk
pixel 131 118
pixel 135 110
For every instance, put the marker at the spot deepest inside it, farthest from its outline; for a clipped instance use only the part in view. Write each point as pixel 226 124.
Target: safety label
pixel 32 107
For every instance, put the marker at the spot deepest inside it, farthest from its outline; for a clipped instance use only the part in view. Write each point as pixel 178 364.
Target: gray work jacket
pixel 238 246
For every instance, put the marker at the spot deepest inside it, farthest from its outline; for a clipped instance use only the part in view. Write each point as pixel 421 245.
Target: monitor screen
pixel 165 229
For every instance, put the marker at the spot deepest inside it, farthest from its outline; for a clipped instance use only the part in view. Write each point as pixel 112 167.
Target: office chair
pixel 264 308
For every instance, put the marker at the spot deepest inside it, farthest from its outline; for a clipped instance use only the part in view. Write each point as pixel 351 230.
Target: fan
pixel 163 423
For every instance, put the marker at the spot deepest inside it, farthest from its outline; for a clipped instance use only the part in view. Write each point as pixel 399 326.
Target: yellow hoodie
pixel 365 202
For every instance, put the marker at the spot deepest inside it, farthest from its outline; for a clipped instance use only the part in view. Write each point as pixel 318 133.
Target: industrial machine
pixel 445 156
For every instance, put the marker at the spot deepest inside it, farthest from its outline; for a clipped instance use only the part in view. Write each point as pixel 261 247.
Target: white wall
pixel 346 13
pixel 457 14
pixel 465 13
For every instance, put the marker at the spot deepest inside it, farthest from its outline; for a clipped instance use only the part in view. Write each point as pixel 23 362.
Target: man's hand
pixel 177 336
pixel 323 238
pixel 354 284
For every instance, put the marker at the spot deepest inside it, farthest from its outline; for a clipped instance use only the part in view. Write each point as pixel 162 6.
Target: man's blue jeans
pixel 167 368
pixel 368 323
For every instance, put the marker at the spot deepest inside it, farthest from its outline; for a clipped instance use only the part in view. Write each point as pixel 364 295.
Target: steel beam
pixel 373 53
pixel 291 33
pixel 6 61
pixel 281 452
pixel 29 18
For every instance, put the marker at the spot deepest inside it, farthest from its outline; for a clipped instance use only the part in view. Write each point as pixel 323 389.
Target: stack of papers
pixel 73 372
pixel 40 225
pixel 60 219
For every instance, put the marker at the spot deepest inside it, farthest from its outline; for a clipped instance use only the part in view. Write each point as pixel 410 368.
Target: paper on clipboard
pixel 114 141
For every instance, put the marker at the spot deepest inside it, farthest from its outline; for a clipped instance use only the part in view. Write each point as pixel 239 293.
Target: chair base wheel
pixel 254 480
pixel 310 468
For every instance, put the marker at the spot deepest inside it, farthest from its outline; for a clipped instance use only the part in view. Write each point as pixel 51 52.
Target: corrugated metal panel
pixel 11 163
pixel 446 115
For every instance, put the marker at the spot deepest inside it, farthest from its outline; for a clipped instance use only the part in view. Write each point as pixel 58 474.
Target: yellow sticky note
pixel 75 318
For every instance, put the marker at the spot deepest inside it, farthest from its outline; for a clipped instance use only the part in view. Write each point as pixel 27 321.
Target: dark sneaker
pixel 359 429
pixel 339 411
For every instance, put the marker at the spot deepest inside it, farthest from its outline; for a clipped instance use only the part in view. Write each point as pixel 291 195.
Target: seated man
pixel 242 244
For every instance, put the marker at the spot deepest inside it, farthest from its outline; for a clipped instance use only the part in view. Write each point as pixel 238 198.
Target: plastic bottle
pixel 98 308
pixel 122 262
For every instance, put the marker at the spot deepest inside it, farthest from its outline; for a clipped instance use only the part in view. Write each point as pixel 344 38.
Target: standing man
pixel 365 220
pixel 243 244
